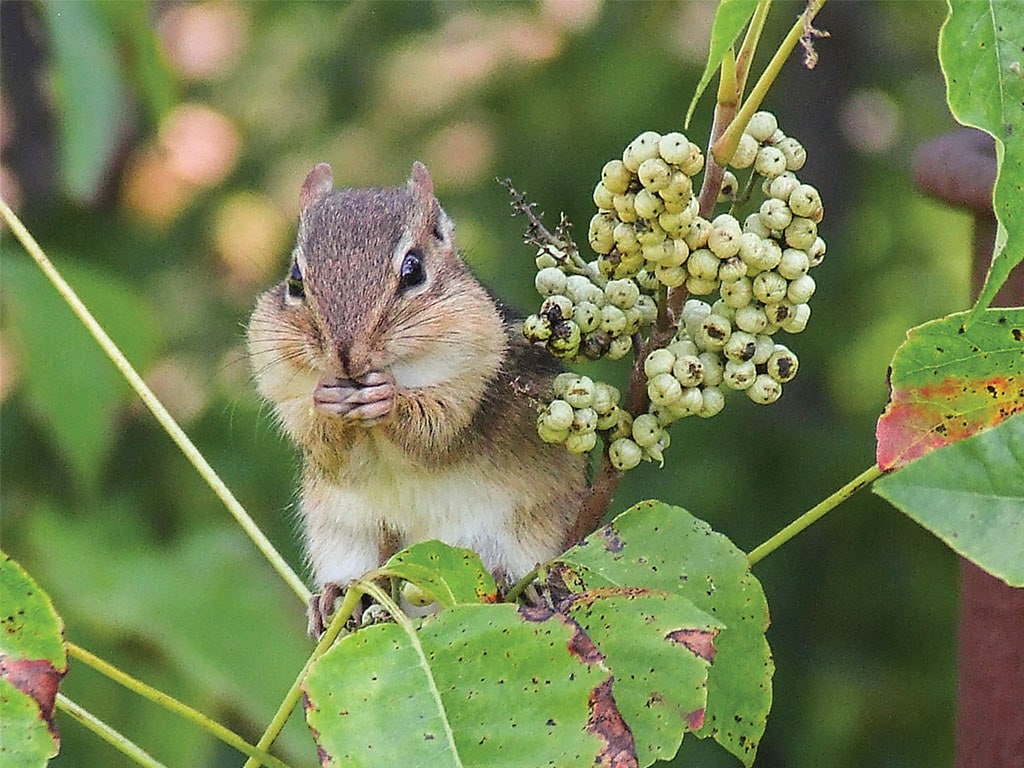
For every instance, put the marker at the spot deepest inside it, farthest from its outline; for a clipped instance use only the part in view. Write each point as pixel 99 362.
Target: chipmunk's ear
pixel 318 183
pixel 421 185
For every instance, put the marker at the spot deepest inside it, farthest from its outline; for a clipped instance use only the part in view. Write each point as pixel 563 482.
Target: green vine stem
pixel 725 146
pixel 114 738
pixel 745 57
pixel 171 704
pixel 814 514
pixel 165 419
pixel 291 699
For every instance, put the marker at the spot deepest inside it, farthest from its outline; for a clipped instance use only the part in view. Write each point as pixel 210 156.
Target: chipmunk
pixel 409 390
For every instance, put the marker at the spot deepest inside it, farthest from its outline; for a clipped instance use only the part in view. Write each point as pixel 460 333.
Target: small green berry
pixel 549 435
pixel 606 398
pixel 713 401
pixel 619 347
pixel 703 264
pixel 663 389
pixel 646 430
pixel 737 293
pixel 781 187
pixel 769 287
pixel 594 345
pixel 655 174
pixel 764 389
pixel 801 233
pixel 793 151
pixel 775 214
pixel 643 147
pixel 714 368
pixel 647 306
pixel 558 415
pixel 624 235
pixel 648 205
pixel 604 198
pixel 746 152
pixel 794 262
pixel 545 259
pixel 678 191
pixel 713 332
pixel 730 187
pixel 783 364
pixel 556 308
pixel 671 277
pixel 587 316
pixel 693 163
pixel 621 293
pixel 688 370
pixel 581 442
pixel 739 374
pixel 740 347
pixel 798 322
pixel 579 392
pixel 565 339
pixel 751 319
pixel 537 328
pixel 625 207
pixel 732 269
pixel 755 226
pixel 550 281
pixel 583 420
pixel 601 234
pixel 674 147
pixel 800 289
pixel 659 361
pixel 616 176
pixel 681 347
pixel 624 454
pixel 778 314
pixel 763 348
pixel 697 235
pixel 762 126
pixel 770 162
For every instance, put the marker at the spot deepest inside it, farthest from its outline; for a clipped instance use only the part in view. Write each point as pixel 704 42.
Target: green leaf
pixel 89 91
pixel 452 575
pixel 206 605
pixel 658 546
pixel 730 19
pixel 147 67
pixel 949 380
pixel 71 384
pixel 658 647
pixel 971 495
pixel 475 685
pixel 981 57
pixel 32 663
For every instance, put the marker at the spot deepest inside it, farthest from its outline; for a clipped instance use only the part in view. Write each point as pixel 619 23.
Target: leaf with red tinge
pixel 658 647
pixel 951 380
pixel 32 663
pixel 971 495
pixel 664 549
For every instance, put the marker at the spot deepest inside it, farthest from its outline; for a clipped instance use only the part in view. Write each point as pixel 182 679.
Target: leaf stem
pixel 291 699
pixel 171 704
pixel 114 738
pixel 814 514
pixel 177 434
pixel 722 149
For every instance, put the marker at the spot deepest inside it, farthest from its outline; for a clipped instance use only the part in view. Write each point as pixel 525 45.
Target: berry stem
pixel 724 147
pixel 814 514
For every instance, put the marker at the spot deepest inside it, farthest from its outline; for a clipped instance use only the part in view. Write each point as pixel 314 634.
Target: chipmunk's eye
pixel 296 290
pixel 412 272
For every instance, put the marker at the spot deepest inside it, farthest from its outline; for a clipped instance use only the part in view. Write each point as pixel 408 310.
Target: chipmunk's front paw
pixel 367 400
pixel 321 609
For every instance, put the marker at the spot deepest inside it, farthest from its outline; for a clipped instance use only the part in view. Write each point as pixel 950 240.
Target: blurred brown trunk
pixel 960 169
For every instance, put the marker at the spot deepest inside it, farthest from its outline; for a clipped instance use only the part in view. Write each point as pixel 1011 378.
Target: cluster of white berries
pixel 648 235
pixel 646 207
pixel 581 409
pixel 586 316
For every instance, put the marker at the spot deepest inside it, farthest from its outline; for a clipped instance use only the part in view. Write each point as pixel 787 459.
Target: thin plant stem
pixel 114 738
pixel 291 699
pixel 171 704
pixel 725 146
pixel 814 514
pixel 165 419
pixel 745 57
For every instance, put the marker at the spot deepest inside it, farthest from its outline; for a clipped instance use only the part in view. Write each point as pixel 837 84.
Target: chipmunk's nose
pixel 355 360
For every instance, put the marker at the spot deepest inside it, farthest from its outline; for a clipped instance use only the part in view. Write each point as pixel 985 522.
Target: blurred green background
pixel 156 152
